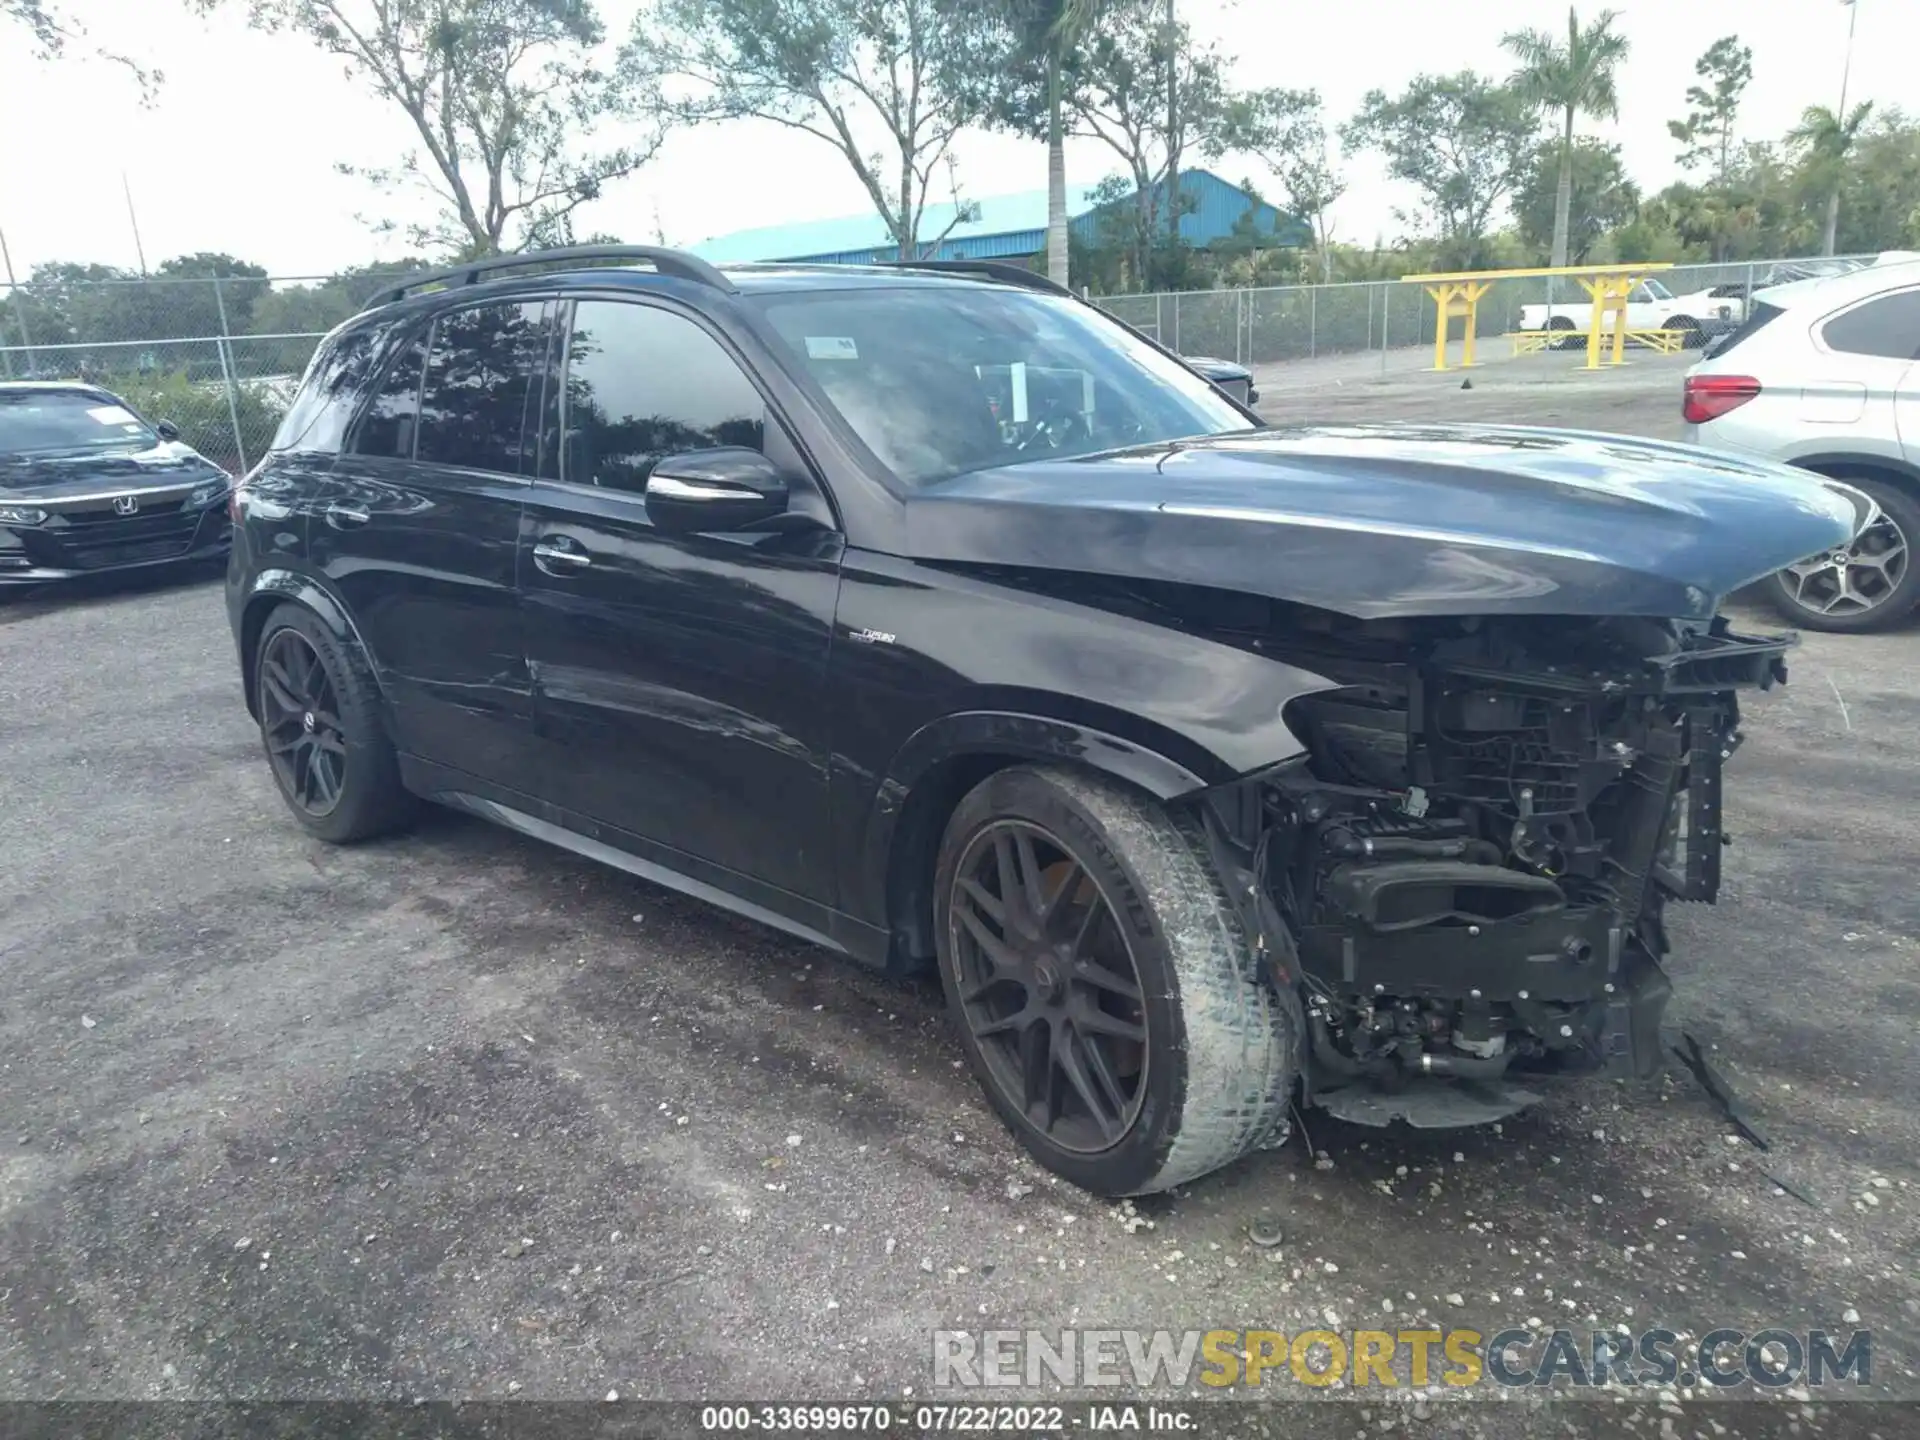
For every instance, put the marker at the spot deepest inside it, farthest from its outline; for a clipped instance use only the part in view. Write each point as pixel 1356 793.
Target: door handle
pixel 562 553
pixel 346 517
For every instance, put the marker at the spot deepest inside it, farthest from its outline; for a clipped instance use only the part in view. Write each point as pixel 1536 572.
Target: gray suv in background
pixel 1825 374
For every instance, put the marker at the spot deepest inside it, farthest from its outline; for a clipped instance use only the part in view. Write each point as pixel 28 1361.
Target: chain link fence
pixel 1304 322
pixel 221 358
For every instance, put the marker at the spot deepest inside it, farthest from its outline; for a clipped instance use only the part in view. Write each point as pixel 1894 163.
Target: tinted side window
pixel 1888 326
pixel 643 384
pixel 330 392
pixel 483 378
pixel 393 410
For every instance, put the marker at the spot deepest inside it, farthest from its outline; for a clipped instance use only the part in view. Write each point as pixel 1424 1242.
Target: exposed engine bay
pixel 1464 877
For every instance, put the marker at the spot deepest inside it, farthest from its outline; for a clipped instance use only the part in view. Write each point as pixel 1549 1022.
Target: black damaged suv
pixel 932 615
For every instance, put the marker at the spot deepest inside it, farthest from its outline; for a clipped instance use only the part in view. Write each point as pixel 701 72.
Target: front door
pixel 679 682
pixel 418 531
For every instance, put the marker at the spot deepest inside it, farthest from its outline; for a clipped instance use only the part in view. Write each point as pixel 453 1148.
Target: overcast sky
pixel 237 153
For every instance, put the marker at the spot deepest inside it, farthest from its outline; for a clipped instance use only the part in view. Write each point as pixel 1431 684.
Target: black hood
pixel 55 477
pixel 1376 521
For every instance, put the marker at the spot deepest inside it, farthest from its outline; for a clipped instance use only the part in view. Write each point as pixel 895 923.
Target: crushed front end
pixel 1463 878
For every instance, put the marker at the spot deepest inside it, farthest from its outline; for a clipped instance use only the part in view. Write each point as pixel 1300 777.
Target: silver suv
pixel 1825 374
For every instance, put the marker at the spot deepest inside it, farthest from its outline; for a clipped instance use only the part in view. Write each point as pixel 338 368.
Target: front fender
pixel 945 757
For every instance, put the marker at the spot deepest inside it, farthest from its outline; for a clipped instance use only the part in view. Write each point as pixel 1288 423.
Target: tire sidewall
pixel 1020 794
pixel 1903 509
pixel 363 752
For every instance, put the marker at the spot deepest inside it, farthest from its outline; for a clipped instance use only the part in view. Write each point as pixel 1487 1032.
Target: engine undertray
pixel 1427 1103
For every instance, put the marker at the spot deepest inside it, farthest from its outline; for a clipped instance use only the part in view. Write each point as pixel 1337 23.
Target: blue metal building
pixel 1006 226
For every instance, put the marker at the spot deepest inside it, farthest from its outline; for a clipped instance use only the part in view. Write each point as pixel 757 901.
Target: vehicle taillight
pixel 1707 397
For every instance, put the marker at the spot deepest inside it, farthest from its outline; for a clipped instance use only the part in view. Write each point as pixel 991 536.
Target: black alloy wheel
pixel 1048 986
pixel 1102 985
pixel 323 726
pixel 300 720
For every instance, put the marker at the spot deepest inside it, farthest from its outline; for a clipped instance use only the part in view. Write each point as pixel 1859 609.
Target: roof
pixel 814 239
pixel 1007 225
pixel 1837 290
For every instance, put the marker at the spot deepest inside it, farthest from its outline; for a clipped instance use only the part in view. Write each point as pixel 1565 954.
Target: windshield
pixel 944 380
pixel 47 422
pixel 1658 291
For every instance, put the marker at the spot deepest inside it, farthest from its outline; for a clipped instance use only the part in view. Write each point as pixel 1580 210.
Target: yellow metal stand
pixel 1609 295
pixel 1456 299
pixel 1458 295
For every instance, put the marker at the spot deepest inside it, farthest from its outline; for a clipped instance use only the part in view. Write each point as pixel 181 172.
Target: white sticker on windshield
pixel 832 347
pixel 112 415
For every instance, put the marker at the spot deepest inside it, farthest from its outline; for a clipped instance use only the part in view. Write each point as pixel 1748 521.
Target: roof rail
pixel 676 263
pixel 1000 270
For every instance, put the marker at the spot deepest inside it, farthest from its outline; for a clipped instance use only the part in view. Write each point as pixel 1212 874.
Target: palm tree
pixel 1826 140
pixel 1063 25
pixel 1570 75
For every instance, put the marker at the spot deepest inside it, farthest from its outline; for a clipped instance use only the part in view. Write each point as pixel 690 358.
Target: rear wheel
pixel 321 726
pixel 1866 585
pixel 1103 987
pixel 1688 328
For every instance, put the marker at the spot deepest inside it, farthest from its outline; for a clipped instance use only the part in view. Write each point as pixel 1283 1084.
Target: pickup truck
pixel 1651 306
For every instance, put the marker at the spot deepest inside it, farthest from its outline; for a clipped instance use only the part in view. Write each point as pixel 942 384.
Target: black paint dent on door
pixel 419 533
pixel 679 681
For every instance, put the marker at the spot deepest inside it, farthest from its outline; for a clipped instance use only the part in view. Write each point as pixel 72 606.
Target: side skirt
pixel 649 861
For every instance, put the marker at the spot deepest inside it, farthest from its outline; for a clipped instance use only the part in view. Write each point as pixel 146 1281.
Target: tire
pixel 1692 336
pixel 1562 323
pixel 334 699
pixel 1892 585
pixel 1221 1050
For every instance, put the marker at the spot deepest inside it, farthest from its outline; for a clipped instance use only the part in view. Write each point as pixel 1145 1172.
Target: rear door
pixel 419 527
pixel 1860 381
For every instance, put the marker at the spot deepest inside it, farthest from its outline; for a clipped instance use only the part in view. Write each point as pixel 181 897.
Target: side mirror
pixel 714 491
pixel 167 430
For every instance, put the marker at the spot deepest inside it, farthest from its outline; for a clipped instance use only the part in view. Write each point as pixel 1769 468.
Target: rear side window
pixel 1759 315
pixel 1888 325
pixel 387 428
pixel 330 394
pixel 643 384
pixel 478 406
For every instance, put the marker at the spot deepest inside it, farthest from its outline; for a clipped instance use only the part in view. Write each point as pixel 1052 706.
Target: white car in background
pixel 1699 314
pixel 1825 374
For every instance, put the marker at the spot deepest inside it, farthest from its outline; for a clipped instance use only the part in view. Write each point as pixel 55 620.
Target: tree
pixel 1463 141
pixel 1880 207
pixel 49 31
pixel 195 306
pixel 1025 88
pixel 838 70
pixel 1821 142
pixel 1571 77
pixel 1144 89
pixel 1287 129
pixel 1604 198
pixel 1725 67
pixel 498 92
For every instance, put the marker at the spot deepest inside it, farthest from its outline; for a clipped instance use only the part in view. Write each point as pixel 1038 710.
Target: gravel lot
pixel 456 1115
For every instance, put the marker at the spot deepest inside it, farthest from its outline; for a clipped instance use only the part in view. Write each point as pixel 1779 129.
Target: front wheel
pixel 1866 585
pixel 1103 986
